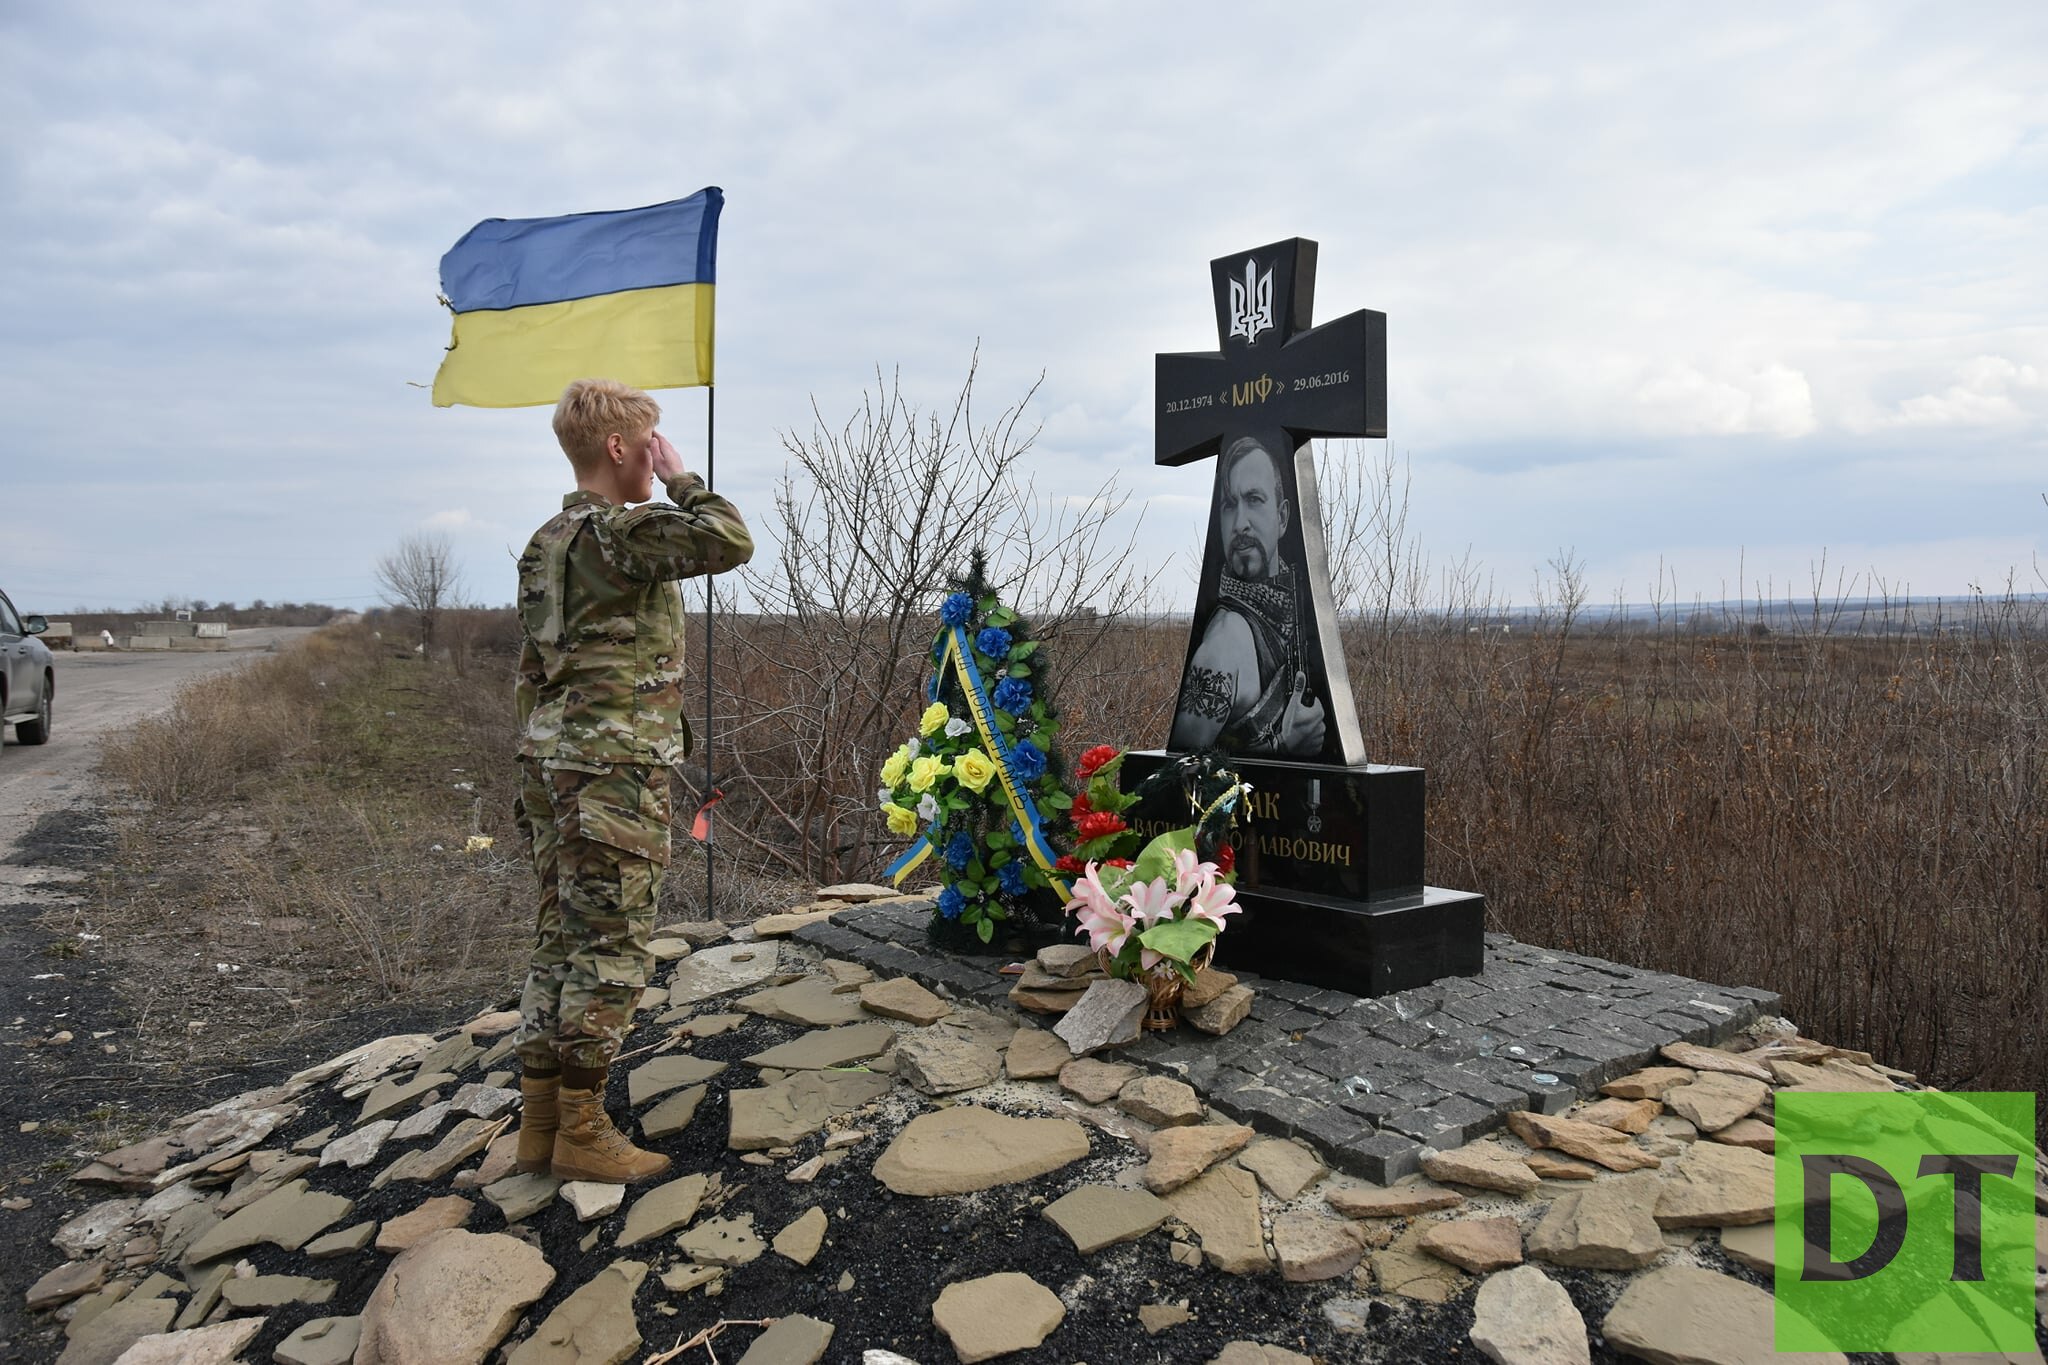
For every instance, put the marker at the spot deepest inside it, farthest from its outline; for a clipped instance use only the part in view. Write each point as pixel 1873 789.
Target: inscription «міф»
pixel 1263 808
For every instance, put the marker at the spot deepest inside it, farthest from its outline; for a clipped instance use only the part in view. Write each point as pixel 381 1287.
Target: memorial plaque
pixel 1330 858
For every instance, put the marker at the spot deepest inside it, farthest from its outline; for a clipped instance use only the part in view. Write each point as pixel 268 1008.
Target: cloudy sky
pixel 1725 289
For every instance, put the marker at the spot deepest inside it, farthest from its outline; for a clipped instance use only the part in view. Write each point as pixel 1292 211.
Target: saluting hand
pixel 668 461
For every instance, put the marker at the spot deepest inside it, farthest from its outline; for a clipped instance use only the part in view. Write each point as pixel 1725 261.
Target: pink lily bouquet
pixel 1158 914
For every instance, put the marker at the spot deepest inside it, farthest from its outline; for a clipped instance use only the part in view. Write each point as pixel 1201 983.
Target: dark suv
pixel 28 676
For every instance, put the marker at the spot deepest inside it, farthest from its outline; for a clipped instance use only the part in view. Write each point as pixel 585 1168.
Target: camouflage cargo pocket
pixel 620 971
pixel 627 808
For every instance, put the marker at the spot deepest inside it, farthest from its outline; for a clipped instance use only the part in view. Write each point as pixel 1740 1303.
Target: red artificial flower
pixel 1080 808
pixel 1118 862
pixel 1098 823
pixel 1226 859
pixel 1069 863
pixel 1094 759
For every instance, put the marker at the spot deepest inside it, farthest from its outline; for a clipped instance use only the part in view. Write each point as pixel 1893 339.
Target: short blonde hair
pixel 592 409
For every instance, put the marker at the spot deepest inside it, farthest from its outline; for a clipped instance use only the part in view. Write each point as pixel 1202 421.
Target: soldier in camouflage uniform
pixel 601 712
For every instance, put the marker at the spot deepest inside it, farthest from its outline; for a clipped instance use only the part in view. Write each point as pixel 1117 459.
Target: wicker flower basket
pixel 1163 986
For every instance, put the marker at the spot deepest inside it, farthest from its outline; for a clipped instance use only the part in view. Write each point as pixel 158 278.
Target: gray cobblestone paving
pixel 1372 1083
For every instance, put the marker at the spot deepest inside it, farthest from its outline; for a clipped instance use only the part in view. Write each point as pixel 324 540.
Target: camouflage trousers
pixel 600 846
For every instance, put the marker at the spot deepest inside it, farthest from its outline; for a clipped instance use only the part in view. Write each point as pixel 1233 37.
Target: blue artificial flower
pixel 1013 695
pixel 993 641
pixel 931 689
pixel 1027 760
pixel 951 903
pixel 959 850
pixel 956 609
pixel 1011 875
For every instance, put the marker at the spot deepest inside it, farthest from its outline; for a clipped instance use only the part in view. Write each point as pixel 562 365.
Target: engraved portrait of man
pixel 1246 689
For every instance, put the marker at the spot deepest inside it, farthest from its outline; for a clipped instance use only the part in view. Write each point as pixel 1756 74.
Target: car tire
pixel 37 731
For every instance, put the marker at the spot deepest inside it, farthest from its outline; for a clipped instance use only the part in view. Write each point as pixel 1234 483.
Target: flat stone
pixel 592 1199
pixel 450 1297
pixel 358 1148
pixel 593 1326
pixel 346 1242
pixel 968 1148
pixel 785 1112
pixel 1109 1013
pixel 667 950
pixel 132 1166
pixel 1047 1000
pixel 1160 1101
pixel 102 1340
pixel 1311 1247
pixel 274 1291
pixel 1404 1268
pixel 722 1242
pixel 288 1217
pixel 1159 1317
pixel 1284 1167
pixel 711 1025
pixel 989 1029
pixel 1066 960
pixel 498 1162
pixel 673 1114
pixel 828 1048
pixel 902 998
pixel 698 933
pixel 794 1339
pixel 1403 1200
pixel 428 1217
pixel 1606 1226
pixel 1209 983
pixel 323 1341
pixel 1623 1116
pixel 521 1195
pixel 454 1054
pixel 388 1097
pixel 484 1101
pixel 1222 1209
pixel 1753 1245
pixel 934 1062
pixel 1552 1166
pixel 1716 1100
pixel 814 1001
pixel 464 1141
pixel 219 1344
pixel 660 1075
pixel 366 1062
pixel 424 1123
pixel 1678 1315
pixel 1222 1014
pixel 1601 1146
pixel 847 976
pixel 66 1283
pixel 1096 1216
pixel 681 1279
pixel 801 1238
pixel 856 893
pixel 783 925
pixel 1648 1084
pixel 1754 1134
pixel 1480 1245
pixel 94 1228
pixel 1179 1155
pixel 1035 1054
pixel 1715 1185
pixel 803 1173
pixel 721 970
pixel 1714 1059
pixel 1096 1082
pixel 1834 1075
pixel 663 1209
pixel 1523 1317
pixel 1486 1165
pixel 996 1315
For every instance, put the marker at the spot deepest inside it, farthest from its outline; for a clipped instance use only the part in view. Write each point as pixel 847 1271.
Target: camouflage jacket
pixel 601 669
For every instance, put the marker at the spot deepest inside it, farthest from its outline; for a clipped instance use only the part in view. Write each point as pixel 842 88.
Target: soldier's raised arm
pixel 696 532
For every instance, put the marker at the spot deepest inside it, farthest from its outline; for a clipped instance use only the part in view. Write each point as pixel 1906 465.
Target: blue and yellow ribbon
pixel 958 654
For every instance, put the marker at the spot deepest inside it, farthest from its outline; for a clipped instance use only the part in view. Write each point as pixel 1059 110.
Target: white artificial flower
pixel 884 795
pixel 914 746
pixel 957 727
pixel 928 808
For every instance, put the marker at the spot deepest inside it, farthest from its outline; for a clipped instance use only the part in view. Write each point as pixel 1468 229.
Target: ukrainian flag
pixel 540 301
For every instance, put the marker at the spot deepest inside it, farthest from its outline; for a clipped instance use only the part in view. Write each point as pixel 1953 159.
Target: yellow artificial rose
pixel 934 718
pixel 901 821
pixel 925 771
pixel 974 769
pixel 894 765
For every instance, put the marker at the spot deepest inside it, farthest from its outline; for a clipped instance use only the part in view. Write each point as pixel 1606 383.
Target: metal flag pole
pixel 710 582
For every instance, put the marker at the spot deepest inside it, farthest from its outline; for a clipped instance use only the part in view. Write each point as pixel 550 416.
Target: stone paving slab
pixel 1371 1083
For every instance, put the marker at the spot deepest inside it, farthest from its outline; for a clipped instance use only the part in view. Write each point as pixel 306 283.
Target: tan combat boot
pixel 538 1119
pixel 588 1147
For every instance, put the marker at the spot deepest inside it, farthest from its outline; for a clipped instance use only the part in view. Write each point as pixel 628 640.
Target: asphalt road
pixel 97 693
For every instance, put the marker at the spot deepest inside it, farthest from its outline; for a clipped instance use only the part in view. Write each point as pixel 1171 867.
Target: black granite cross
pixel 1274 368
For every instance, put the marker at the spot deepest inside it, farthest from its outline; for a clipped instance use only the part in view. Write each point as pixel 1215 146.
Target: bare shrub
pixel 421 577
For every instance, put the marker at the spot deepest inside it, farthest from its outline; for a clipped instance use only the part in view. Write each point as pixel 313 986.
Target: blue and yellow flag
pixel 626 295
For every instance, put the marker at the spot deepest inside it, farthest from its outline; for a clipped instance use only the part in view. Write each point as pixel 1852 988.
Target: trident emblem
pixel 1251 303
